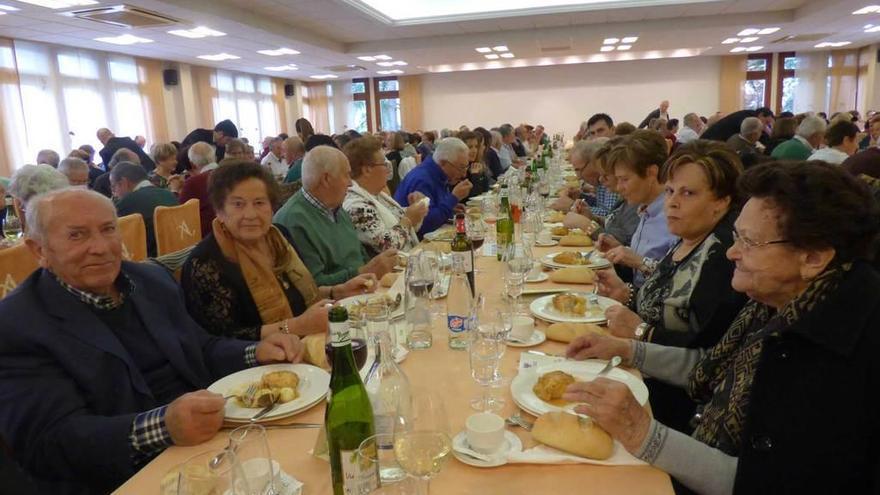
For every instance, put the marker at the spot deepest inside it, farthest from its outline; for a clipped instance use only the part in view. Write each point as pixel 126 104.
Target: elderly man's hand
pixel 599 346
pixel 573 220
pixel 414 197
pixel 606 242
pixel 608 284
pixel 562 203
pixel 462 189
pixel 360 284
pixel 280 348
pixel 612 406
pixel 622 255
pixel 381 264
pixel 622 321
pixel 195 417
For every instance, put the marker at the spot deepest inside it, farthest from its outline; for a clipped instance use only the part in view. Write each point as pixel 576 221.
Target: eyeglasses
pixel 750 244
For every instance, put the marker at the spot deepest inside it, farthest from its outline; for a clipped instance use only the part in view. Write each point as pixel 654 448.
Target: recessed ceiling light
pixel 730 41
pixel 324 76
pixel 280 68
pixel 753 48
pixel 610 41
pixel 738 49
pixel 500 48
pixel 769 30
pixel 630 39
pixel 196 33
pixel 868 26
pixel 624 47
pixel 9 8
pixel 398 62
pixel 484 49
pixel 278 52
pixel 749 39
pixel 832 44
pixel 367 59
pixel 748 32
pixel 218 57
pixel 389 72
pixel 382 57
pixel 606 48
pixel 384 64
pixel 873 29
pixel 59 4
pixel 491 56
pixel 870 9
pixel 124 39
pixel 507 55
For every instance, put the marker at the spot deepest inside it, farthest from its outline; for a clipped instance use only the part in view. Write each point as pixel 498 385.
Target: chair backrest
pixel 177 227
pixel 405 166
pixel 134 237
pixel 16 263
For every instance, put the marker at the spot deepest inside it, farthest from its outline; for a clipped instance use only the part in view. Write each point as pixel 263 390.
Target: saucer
pixel 511 443
pixel 538 337
pixel 540 278
pixel 552 242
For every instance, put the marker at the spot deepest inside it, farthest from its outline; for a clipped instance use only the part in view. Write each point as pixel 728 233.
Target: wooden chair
pixel 177 227
pixel 16 264
pixel 134 237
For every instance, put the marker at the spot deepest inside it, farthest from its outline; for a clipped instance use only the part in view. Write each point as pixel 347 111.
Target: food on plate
pixel 573 434
pixel 445 235
pixel 555 217
pixel 314 350
pixel 388 279
pixel 559 231
pixel 551 386
pixel 572 239
pixel 573 275
pixel 572 258
pixel 275 386
pixel 570 304
pixel 566 332
pixel 357 308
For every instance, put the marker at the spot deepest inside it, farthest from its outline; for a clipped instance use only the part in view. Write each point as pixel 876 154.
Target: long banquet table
pixel 447 372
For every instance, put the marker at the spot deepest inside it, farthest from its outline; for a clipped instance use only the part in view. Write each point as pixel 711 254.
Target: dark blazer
pixel 69 391
pixel 144 201
pixel 494 163
pixel 196 186
pixel 814 421
pixel 653 115
pixel 730 125
pixel 116 143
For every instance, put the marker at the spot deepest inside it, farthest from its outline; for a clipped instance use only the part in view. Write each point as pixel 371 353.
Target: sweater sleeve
pixel 315 263
pixel 672 365
pixel 370 229
pixel 439 211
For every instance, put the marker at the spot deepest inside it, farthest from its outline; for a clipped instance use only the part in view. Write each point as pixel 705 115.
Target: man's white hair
pixel 32 180
pixel 751 125
pixel 320 160
pixel 692 120
pixel 201 154
pixel 811 126
pixel 71 164
pixel 586 149
pixel 449 149
pixel 40 209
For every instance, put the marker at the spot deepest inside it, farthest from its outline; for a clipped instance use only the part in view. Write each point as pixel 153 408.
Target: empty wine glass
pixel 485 353
pixel 420 276
pixel 257 469
pixel 422 442
pixel 518 264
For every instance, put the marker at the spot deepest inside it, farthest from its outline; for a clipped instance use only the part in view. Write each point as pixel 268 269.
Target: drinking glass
pixel 377 452
pixel 213 471
pixel 485 353
pixel 377 316
pixel 11 226
pixel 251 449
pixel 517 265
pixel 420 277
pixel 421 439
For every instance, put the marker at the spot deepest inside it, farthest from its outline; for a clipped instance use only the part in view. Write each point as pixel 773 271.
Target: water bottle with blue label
pixel 459 306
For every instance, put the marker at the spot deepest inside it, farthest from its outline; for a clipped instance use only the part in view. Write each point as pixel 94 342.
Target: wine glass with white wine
pixel 421 439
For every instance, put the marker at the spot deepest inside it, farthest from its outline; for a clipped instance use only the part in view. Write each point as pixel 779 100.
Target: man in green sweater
pixel 322 231
pixel 810 135
pixel 136 194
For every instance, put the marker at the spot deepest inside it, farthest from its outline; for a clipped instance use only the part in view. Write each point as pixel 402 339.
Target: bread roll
pixel 575 240
pixel 315 353
pixel 566 332
pixel 573 275
pixel 573 434
pixel 388 279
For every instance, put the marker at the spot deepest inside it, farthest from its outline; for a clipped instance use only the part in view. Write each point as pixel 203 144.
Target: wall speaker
pixel 170 76
pixel 288 90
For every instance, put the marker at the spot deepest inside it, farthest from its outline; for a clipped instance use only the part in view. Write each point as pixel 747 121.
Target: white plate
pixel 448 233
pixel 511 443
pixel 540 278
pixel 313 385
pixel 583 371
pixel 538 337
pixel 598 261
pixel 542 307
pixel 552 243
pixel 348 302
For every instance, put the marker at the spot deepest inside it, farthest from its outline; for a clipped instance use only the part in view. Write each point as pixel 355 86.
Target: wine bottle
pixel 504 223
pixel 463 248
pixel 459 307
pixel 349 415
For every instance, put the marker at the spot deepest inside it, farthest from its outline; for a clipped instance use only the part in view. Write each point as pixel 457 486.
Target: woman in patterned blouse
pixel 381 222
pixel 165 157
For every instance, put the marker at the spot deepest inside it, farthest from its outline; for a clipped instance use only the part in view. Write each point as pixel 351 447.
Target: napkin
pixel 543 454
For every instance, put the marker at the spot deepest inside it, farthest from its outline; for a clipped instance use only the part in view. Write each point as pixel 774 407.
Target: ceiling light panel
pixel 507 55
pixel 196 33
pixel 281 68
pixel 753 48
pixel 738 49
pixel 749 39
pixel 367 59
pixel 748 32
pixel 607 48
pixel 324 76
pixel 630 40
pixel 8 8
pixel 389 72
pixel 219 57
pixel 384 64
pixel 610 41
pixel 870 9
pixel 382 57
pixel 624 47
pixel 59 4
pixel 874 29
pixel 491 56
pixel 483 49
pixel 730 41
pixel 279 52
pixel 500 48
pixel 125 39
pixel 769 30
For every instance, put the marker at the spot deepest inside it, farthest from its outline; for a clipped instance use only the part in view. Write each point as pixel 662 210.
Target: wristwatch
pixel 642 331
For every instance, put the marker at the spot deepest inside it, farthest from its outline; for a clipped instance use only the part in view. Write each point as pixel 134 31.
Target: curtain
pixel 411 109
pixel 151 88
pixel 11 118
pixel 205 93
pixel 281 105
pixel 730 84
pixel 843 81
pixel 316 106
pixel 812 76
pixel 341 110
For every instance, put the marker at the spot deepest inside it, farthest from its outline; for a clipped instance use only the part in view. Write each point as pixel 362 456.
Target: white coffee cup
pixel 523 327
pixel 544 237
pixel 535 272
pixel 485 432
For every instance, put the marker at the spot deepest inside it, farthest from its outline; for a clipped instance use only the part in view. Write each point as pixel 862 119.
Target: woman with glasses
pixel 381 222
pixel 687 301
pixel 788 396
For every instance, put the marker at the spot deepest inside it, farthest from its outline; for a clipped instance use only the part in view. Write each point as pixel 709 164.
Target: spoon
pixel 612 363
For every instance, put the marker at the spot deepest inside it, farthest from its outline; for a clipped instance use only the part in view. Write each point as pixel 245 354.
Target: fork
pixel 517 420
pixel 273 402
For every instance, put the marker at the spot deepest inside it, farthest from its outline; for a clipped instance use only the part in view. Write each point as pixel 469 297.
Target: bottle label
pixel 357 478
pixel 339 334
pixel 464 257
pixel 456 324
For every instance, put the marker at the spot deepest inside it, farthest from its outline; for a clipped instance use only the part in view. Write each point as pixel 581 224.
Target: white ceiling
pixel 333 32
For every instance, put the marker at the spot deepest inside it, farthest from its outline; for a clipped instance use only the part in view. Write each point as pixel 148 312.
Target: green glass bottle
pixel 504 224
pixel 349 415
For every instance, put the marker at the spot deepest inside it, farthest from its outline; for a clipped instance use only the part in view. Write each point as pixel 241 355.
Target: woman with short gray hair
pixel 31 181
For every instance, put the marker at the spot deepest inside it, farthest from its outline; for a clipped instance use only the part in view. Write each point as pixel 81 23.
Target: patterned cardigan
pixel 372 231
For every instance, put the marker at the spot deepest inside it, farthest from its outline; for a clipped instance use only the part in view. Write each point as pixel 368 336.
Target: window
pixel 786 82
pixel 387 103
pixel 756 90
pixel 248 101
pixel 360 106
